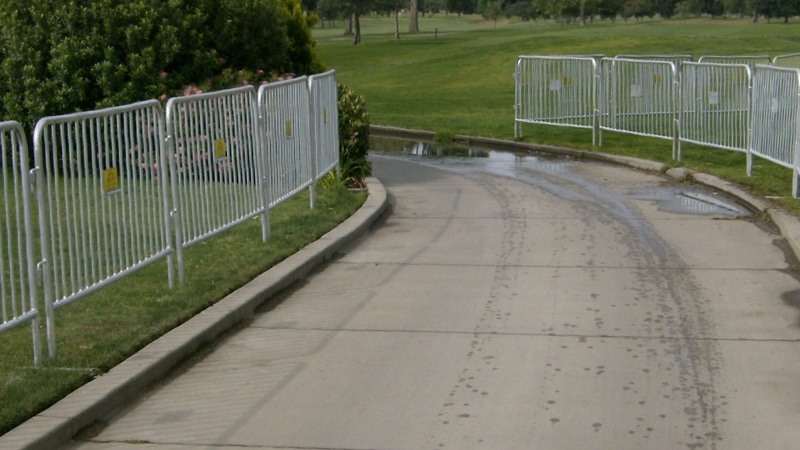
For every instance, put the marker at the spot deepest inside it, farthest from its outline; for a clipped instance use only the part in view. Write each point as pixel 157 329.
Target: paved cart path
pixel 509 303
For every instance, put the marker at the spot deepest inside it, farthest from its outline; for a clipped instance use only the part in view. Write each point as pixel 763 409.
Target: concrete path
pixel 550 305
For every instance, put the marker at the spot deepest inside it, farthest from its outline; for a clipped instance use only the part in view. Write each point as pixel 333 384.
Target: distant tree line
pixel 569 11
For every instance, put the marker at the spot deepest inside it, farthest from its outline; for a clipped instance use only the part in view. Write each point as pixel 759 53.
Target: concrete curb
pixel 788 225
pixel 99 398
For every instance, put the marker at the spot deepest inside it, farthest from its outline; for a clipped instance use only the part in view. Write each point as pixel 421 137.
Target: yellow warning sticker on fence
pixel 566 80
pixel 324 115
pixel 288 128
pixel 110 180
pixel 657 78
pixel 713 98
pixel 220 149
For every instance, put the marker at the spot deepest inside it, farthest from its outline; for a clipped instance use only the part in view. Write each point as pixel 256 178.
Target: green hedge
pixel 63 56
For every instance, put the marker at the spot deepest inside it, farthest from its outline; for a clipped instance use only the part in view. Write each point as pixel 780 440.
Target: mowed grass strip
pixel 98 332
pixel 457 77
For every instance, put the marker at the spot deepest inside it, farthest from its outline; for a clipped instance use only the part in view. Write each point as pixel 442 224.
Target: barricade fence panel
pixel 18 288
pixel 715 105
pixel 639 97
pixel 324 122
pixel 555 91
pixel 774 129
pixel 218 168
pixel 286 137
pixel 101 192
pixel 790 60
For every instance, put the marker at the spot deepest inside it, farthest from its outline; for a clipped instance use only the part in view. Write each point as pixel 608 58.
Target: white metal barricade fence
pixel 324 115
pixel 102 199
pixel 555 90
pixel 119 188
pixel 640 97
pixel 18 288
pixel 791 60
pixel 283 111
pixel 776 111
pixel 715 105
pixel 750 60
pixel 219 178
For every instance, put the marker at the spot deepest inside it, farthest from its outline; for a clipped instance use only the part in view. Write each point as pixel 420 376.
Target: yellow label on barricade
pixel 111 180
pixel 220 149
pixel 324 115
pixel 657 79
pixel 566 80
pixel 289 129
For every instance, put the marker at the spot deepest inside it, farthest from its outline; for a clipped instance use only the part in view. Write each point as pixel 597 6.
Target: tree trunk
pixel 413 23
pixel 397 24
pixel 583 12
pixel 357 26
pixel 348 26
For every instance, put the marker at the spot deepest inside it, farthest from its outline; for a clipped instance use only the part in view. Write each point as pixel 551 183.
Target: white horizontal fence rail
pixel 218 171
pixel 283 111
pixel 324 116
pixel 791 60
pixel 750 60
pixel 556 90
pixel 18 288
pixel 640 97
pixel 102 199
pixel 776 111
pixel 675 59
pixel 715 105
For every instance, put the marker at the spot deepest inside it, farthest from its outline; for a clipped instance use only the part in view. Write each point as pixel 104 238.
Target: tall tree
pixel 413 22
pixel 355 9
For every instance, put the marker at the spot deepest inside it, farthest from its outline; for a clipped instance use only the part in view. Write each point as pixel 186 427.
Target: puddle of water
pixel 430 151
pixel 531 168
pixel 678 200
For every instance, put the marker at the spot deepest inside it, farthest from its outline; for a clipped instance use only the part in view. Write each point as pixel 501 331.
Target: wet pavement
pixel 509 302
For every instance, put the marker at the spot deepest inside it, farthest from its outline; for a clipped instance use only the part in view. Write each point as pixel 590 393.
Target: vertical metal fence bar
pixel 18 288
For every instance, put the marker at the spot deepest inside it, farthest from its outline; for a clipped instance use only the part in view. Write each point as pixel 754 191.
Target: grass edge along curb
pixel 96 400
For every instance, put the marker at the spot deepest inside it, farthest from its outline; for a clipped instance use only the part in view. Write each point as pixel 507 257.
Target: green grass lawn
pixel 456 77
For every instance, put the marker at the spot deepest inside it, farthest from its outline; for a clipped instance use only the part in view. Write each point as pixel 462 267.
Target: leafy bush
pixel 62 56
pixel 353 137
pixel 303 59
